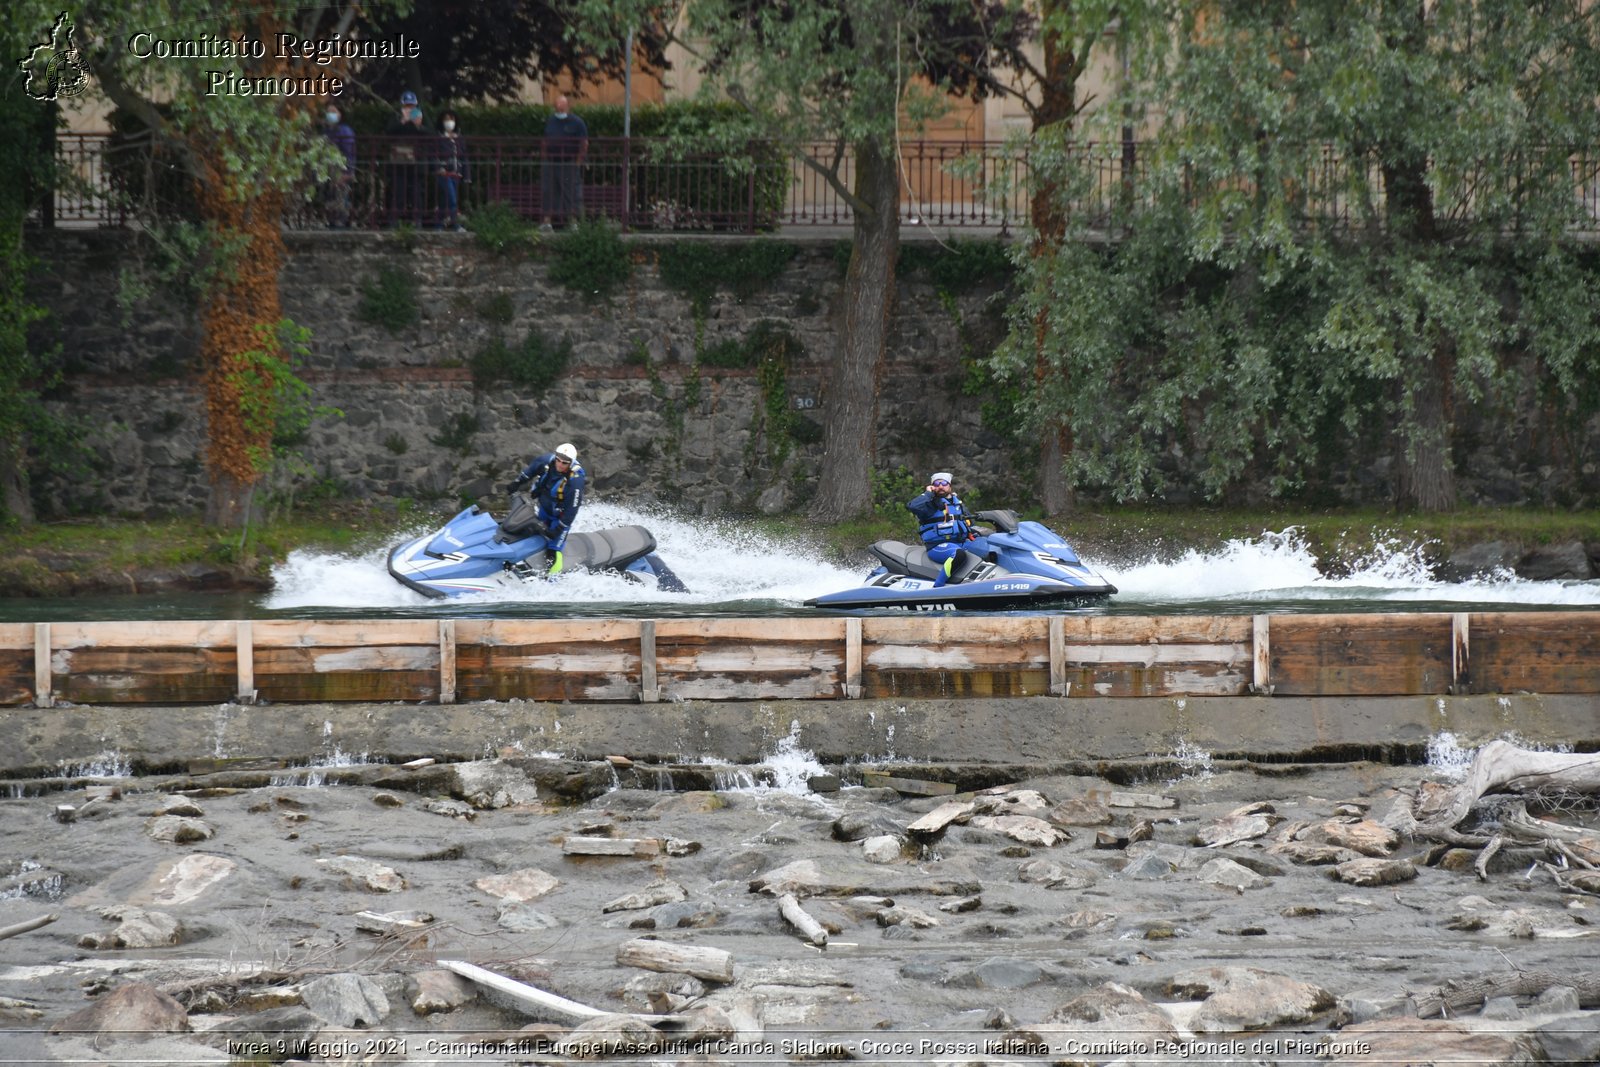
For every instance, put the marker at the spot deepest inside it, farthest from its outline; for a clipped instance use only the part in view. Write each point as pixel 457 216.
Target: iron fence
pixel 646 186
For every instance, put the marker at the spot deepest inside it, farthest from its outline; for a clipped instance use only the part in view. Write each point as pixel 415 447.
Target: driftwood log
pixel 1501 775
pixel 26 925
pixel 708 964
pixel 802 921
pixel 1470 993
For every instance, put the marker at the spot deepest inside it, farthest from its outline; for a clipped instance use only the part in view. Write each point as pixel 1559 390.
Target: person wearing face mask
pixel 944 524
pixel 336 191
pixel 566 145
pixel 407 153
pixel 450 171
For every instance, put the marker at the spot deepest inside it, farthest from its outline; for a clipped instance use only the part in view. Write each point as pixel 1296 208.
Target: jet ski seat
pixel 615 548
pixel 913 560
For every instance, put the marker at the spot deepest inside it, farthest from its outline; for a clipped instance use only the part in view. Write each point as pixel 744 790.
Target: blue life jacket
pixel 942 518
pixel 559 495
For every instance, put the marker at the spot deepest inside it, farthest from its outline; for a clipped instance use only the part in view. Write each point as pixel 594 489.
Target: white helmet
pixel 567 452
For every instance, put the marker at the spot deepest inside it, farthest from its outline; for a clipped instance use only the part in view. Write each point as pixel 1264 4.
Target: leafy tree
pixel 487 49
pixel 1243 324
pixel 25 368
pixel 850 74
pixel 245 155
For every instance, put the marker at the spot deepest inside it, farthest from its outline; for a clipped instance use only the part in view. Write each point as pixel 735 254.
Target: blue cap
pixel 408 97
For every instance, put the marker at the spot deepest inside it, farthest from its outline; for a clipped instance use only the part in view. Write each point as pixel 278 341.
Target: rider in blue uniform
pixel 945 524
pixel 556 482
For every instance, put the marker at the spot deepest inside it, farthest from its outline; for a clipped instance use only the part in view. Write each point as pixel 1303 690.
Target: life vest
pixel 949 525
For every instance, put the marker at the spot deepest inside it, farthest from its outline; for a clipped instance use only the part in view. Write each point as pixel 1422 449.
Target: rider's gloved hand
pixel 512 487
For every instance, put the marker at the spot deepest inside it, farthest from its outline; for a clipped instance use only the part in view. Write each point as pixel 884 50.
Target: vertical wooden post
pixel 852 659
pixel 1261 639
pixel 447 661
pixel 42 682
pixel 1460 660
pixel 244 654
pixel 1058 656
pixel 649 688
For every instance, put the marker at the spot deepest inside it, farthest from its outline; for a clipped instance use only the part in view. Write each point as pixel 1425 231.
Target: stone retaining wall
pixel 649 426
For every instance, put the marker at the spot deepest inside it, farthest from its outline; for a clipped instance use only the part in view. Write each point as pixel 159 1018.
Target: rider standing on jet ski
pixel 945 524
pixel 557 483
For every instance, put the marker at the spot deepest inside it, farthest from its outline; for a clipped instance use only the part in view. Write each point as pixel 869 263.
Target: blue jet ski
pixel 1020 565
pixel 473 553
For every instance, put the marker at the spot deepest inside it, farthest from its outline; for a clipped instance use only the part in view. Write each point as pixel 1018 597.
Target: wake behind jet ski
pixel 1020 565
pixel 473 553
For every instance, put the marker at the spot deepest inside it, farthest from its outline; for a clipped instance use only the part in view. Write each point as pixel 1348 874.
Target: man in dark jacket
pixel 945 525
pixel 408 149
pixel 556 483
pixel 566 145
pixel 336 191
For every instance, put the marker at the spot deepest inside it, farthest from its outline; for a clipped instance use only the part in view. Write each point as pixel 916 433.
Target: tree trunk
pixel 1425 475
pixel 240 316
pixel 16 503
pixel 1055 111
pixel 851 411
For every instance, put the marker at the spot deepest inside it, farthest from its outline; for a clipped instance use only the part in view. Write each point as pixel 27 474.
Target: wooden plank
pixel 960 656
pixel 1361 655
pixel 214 633
pixel 852 659
pixel 751 631
pixel 1150 655
pixel 649 686
pixel 531 633
pixel 1164 629
pixel 919 684
pixel 638 847
pixel 1261 659
pixel 16 674
pixel 42 683
pixel 345 633
pixel 245 665
pixel 1058 657
pixel 1535 652
pixel 16 636
pixel 912 630
pixel 576 672
pixel 447 661
pixel 1165 680
pixel 1460 661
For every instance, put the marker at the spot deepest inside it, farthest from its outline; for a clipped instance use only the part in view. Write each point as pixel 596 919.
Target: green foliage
pixel 699 269
pixel 498 309
pixel 891 490
pixel 390 300
pixel 458 432
pixel 591 259
pixel 396 444
pixel 274 401
pixel 178 259
pixel 500 230
pixel 959 265
pixel 535 363
pixel 1238 331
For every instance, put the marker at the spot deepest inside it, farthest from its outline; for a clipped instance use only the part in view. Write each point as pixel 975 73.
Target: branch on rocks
pixel 28 924
pixel 1501 767
pixel 1457 994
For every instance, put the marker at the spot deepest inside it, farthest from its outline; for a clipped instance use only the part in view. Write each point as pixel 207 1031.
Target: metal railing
pixel 642 184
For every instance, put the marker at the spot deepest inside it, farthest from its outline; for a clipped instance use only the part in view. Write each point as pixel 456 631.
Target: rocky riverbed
pixel 1245 913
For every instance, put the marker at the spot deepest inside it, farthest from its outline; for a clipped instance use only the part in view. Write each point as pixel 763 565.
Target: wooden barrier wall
pixel 611 660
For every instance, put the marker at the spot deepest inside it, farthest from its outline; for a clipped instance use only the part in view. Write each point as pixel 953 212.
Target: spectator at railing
pixel 336 190
pixel 407 155
pixel 450 171
pixel 566 145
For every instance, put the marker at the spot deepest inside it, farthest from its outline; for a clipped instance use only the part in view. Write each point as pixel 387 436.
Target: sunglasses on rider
pixel 941 481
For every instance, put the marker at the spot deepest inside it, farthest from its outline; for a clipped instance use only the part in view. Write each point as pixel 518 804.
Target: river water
pixel 732 570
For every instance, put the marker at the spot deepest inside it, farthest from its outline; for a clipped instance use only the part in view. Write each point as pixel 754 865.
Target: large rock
pixel 346 1000
pixel 850 878
pixel 1427 1041
pixel 1571 1038
pixel 1244 998
pixel 1359 835
pixel 134 1008
pixel 1566 561
pixel 1374 872
pixel 136 928
pixel 526 780
pixel 365 874
pixel 529 883
pixel 439 991
pixel 178 829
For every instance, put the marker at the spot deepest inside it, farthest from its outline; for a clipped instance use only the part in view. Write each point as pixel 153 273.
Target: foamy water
pixel 1280 567
pixel 724 562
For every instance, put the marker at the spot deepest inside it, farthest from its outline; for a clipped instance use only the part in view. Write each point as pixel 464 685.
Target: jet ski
pixel 1019 565
pixel 473 553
